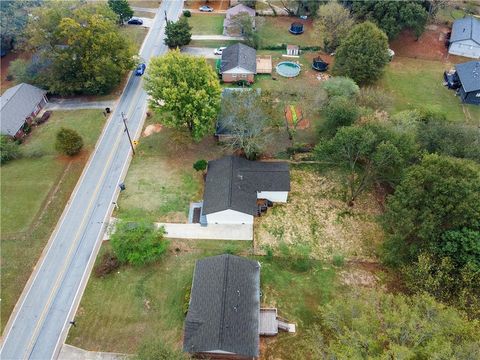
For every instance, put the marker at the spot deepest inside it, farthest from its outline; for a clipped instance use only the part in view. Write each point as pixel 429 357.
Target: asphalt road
pixel 40 322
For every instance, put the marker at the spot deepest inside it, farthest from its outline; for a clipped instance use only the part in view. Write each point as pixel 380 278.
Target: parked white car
pixel 219 51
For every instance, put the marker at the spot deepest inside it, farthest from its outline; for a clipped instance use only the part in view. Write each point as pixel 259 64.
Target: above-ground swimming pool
pixel 288 69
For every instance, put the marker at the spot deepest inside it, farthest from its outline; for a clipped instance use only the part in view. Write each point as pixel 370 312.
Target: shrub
pixel 341 86
pixel 338 260
pixel 200 165
pixel 186 300
pixel 339 112
pixel 138 243
pixel 68 142
pixel 9 149
pixel 187 13
pixel 107 265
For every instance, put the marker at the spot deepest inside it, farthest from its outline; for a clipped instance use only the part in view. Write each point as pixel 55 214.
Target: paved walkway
pixel 209 232
pixel 201 51
pixel 68 104
pixel 70 352
pixel 216 37
pixel 150 10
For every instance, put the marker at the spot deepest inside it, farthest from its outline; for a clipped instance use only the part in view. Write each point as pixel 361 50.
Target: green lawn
pixel 161 180
pixel 418 83
pixel 34 191
pixel 211 43
pixel 206 24
pixel 123 309
pixel 135 33
pixel 273 31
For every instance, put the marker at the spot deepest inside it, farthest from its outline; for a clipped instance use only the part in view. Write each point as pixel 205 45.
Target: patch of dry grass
pixel 316 214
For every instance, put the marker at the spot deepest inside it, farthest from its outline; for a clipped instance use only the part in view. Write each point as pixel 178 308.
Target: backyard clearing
pixel 316 215
pixel 416 83
pixel 34 192
pixel 273 31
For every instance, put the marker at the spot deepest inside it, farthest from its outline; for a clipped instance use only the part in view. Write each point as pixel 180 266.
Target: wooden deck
pixel 268 322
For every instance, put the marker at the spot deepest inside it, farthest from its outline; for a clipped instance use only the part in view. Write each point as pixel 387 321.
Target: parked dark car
pixel 44 118
pixel 451 79
pixel 140 69
pixel 135 21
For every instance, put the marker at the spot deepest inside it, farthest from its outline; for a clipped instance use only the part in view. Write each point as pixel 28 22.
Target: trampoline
pixel 319 64
pixel 296 28
pixel 288 69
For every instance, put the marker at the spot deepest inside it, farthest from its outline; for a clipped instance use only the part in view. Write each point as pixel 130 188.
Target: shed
pixel 465 38
pixel 224 310
pixel 19 106
pixel 469 75
pixel 293 50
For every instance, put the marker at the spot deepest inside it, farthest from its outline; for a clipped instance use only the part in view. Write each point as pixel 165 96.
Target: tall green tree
pixel 435 197
pixel 82 46
pixel 363 54
pixel 13 19
pixel 370 153
pixel 122 9
pixel 332 25
pixel 186 90
pixel 392 16
pixel 178 34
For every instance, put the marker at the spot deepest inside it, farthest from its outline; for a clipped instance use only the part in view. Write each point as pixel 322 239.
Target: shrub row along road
pixel 40 322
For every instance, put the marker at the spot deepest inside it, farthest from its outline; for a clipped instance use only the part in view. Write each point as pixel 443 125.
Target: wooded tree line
pixel 76 47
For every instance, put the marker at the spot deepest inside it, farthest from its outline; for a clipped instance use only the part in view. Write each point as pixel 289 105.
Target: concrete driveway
pixel 77 104
pixel 209 232
pixel 200 51
pixel 216 37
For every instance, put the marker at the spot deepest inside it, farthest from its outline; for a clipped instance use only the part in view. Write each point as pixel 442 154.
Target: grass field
pixel 123 309
pixel 416 83
pixel 211 43
pixel 135 33
pixel 161 181
pixel 206 24
pixel 317 216
pixel 144 14
pixel 273 31
pixel 34 191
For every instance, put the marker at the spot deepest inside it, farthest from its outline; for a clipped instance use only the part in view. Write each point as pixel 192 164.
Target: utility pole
pixel 128 133
pixel 166 20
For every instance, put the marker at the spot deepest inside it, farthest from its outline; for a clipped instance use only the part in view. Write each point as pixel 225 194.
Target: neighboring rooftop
pixel 467 28
pixel 224 308
pixel 469 74
pixel 239 55
pixel 233 182
pixel 17 103
pixel 238 9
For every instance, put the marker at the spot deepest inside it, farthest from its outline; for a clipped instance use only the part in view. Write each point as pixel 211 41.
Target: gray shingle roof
pixel 224 308
pixel 17 103
pixel 467 28
pixel 239 55
pixel 232 183
pixel 238 9
pixel 469 74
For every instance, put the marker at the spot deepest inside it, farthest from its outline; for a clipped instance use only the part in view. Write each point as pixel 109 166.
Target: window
pixel 234 76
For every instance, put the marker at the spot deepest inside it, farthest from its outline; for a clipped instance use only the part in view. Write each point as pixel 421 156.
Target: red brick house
pixel 239 62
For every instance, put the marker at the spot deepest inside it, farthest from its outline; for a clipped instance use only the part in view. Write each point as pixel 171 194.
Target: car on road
pixel 140 69
pixel 205 8
pixel 219 51
pixel 135 21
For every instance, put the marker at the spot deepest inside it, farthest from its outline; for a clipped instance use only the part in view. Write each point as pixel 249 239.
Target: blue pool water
pixel 288 69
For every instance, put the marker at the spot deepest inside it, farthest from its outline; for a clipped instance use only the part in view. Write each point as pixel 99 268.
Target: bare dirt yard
pixel 317 215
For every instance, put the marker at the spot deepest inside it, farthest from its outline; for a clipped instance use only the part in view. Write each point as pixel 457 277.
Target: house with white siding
pixel 237 190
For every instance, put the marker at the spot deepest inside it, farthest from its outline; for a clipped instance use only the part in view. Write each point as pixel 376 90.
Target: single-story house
pixel 230 26
pixel 224 310
pixel 19 106
pixel 239 62
pixel 465 37
pixel 469 76
pixel 237 189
